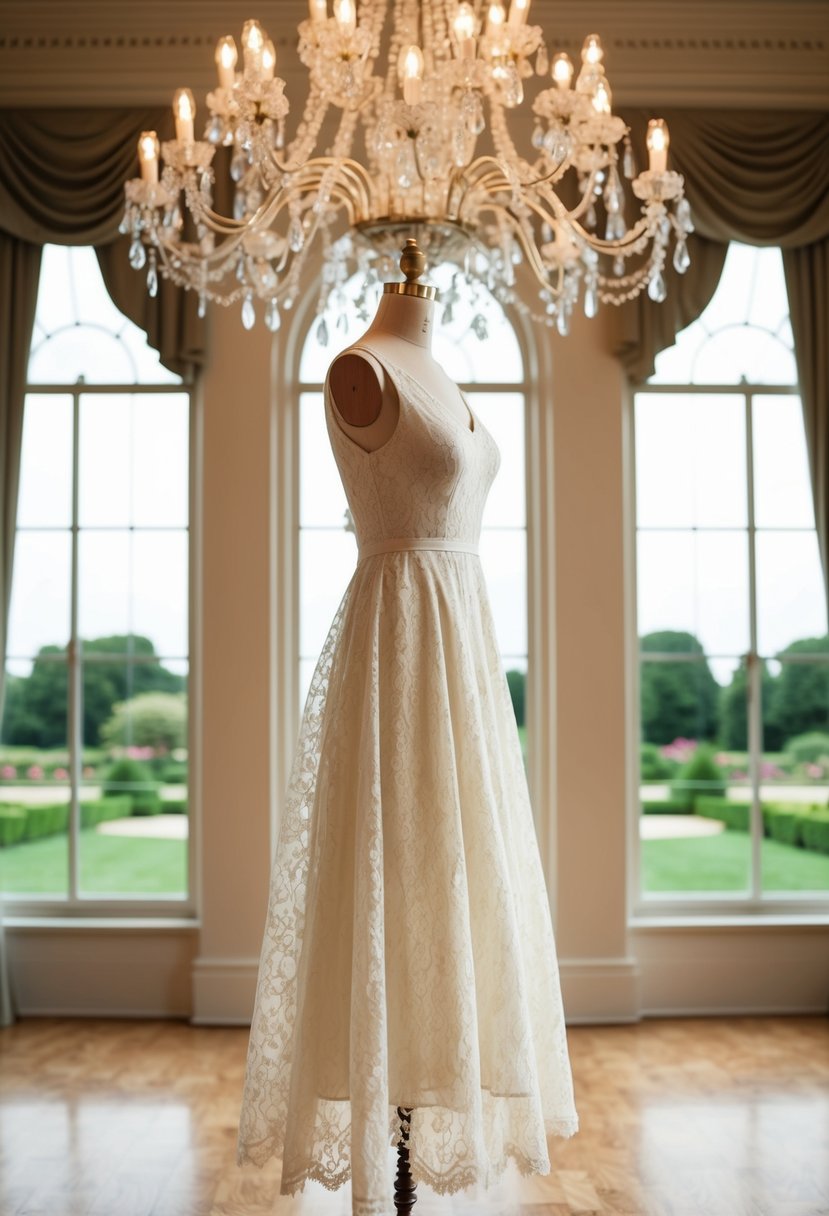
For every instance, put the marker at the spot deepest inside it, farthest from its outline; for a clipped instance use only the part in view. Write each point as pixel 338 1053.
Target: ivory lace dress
pixel 408 956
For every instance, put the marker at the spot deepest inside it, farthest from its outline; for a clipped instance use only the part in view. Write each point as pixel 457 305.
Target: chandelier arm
pixel 539 269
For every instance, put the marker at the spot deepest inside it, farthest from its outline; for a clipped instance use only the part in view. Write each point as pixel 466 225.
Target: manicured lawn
pixel 721 863
pixel 109 864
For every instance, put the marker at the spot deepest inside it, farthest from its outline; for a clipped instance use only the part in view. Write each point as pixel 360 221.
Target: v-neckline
pixel 444 410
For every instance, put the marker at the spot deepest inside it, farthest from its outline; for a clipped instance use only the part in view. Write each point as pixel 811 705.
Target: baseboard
pixel 223 991
pixel 600 990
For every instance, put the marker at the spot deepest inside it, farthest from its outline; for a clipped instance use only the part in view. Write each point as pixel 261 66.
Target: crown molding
pixel 702 52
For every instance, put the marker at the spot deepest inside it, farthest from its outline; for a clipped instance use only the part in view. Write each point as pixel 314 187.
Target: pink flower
pixel 770 771
pixel 60 774
pixel 681 749
pixel 721 759
pixel 140 753
pixel 738 776
pixel 814 771
pixel 8 771
pixel 89 771
pixel 34 771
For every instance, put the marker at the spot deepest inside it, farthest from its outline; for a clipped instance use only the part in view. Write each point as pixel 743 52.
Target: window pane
pixel 693 794
pixel 134 582
pixel 45 495
pixel 134 819
pixel 322 501
pixel 782 484
pixel 503 416
pixel 791 601
pixel 504 559
pixel 39 613
pixel 695 582
pixel 690 461
pixel 160 460
pixel 327 560
pixel 104 482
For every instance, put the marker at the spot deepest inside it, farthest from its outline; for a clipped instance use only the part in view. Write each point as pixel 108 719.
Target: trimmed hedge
pixel 174 806
pixel 118 806
pixel 815 831
pixel 735 815
pixel 666 806
pixel 12 825
pixel 783 823
pixel 47 819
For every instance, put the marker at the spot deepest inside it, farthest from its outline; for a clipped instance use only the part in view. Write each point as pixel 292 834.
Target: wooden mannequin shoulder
pixel 356 383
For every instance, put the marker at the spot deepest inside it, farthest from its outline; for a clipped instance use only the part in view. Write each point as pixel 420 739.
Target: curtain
pixel 19 274
pixel 763 179
pixel 62 175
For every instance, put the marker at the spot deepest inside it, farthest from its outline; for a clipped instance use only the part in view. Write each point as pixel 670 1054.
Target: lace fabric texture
pixel 408 956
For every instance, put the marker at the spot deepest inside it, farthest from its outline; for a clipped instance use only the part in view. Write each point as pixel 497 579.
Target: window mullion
pixel 754 681
pixel 75 711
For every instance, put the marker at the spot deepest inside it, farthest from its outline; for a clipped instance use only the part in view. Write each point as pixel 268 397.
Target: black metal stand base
pixel 405 1187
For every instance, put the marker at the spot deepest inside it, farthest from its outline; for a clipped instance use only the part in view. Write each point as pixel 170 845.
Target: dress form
pixel 364 398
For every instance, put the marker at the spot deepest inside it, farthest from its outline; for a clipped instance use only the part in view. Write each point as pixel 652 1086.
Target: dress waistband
pixel 443 544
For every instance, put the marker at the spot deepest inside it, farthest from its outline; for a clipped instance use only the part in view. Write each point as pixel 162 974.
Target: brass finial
pixel 413 265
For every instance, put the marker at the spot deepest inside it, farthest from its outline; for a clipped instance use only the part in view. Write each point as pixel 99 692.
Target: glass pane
pixel 782 484
pixel 34 774
pixel 160 459
pixel 694 825
pixel 322 501
pixel 795 849
pixel 104 482
pixel 791 600
pixel 504 559
pixel 134 583
pixel 39 612
pixel 503 416
pixel 79 332
pixel 740 353
pixel 327 560
pixel 696 583
pixel 134 815
pixel 690 460
pixel 45 495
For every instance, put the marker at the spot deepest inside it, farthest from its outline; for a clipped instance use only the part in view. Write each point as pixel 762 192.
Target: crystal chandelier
pixel 412 104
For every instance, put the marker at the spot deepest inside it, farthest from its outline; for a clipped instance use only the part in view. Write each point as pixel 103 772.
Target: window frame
pixel 109 909
pixel 787 907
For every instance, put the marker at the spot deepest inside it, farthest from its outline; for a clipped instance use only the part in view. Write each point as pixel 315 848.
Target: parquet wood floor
pixel 679 1118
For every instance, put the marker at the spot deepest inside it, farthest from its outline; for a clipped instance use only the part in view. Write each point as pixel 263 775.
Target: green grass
pixel 109 865
pixel 721 863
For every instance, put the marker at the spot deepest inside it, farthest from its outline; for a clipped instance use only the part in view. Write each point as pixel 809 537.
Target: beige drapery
pixel 62 175
pixel 761 178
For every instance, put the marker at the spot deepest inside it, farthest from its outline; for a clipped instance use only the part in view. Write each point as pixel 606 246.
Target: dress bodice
pixel 429 479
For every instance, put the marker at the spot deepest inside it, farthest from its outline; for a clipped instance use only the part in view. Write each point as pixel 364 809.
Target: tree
pixel 801 692
pixel 152 719
pixel 678 699
pixel 517 681
pixel 36 712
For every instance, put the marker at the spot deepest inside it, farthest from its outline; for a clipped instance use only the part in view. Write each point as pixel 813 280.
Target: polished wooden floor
pixel 679 1118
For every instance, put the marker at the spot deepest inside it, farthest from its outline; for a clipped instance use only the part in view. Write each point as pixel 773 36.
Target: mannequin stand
pixel 405 1187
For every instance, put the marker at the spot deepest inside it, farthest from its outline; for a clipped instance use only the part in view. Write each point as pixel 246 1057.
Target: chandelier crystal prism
pixel 413 105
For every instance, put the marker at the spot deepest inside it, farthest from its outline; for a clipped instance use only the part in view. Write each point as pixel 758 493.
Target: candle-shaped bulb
pixel 411 72
pixel 518 10
pixel 148 156
pixel 563 70
pixel 184 111
pixel 253 44
pixel 601 98
pixel 226 57
pixel 318 10
pixel 268 60
pixel 465 26
pixel 658 140
pixel 345 14
pixel 592 51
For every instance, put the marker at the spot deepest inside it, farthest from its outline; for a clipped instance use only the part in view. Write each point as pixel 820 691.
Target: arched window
pixel 94 742
pixel 734 652
pixel 478 348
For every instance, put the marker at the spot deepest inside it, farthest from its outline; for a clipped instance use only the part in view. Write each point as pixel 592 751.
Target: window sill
pixel 97 923
pixel 656 921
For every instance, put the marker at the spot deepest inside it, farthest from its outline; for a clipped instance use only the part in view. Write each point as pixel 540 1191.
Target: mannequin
pixel 364 398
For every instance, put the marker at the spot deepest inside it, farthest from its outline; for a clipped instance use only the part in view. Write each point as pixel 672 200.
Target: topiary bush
pixel 735 815
pixel 47 819
pixel 814 830
pixel 699 777
pixel 783 824
pixel 808 748
pixel 174 806
pixel 118 806
pixel 653 766
pixel 133 778
pixel 12 825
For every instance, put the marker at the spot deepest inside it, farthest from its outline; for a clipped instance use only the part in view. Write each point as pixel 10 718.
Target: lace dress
pixel 408 956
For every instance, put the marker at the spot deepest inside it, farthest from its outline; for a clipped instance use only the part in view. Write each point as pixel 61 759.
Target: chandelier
pixel 405 132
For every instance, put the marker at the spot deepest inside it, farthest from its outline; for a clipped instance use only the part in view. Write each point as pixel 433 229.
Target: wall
pixel 612 967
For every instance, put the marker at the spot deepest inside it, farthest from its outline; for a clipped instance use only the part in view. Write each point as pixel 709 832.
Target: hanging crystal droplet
pixel 152 276
pixel 619 266
pixel 248 312
pixel 628 163
pixel 657 289
pixel 683 215
pixel 682 259
pixel 214 131
pixel 238 163
pixel 272 317
pixel 202 304
pixel 563 321
pixel 296 236
pixel 322 332
pixel 138 255
pixel 591 300
pixel 542 61
pixel 590 217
